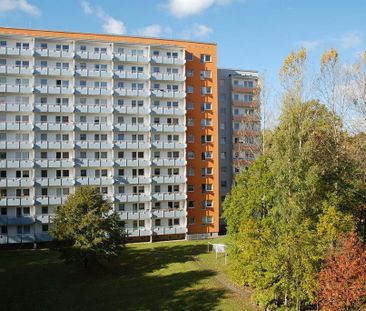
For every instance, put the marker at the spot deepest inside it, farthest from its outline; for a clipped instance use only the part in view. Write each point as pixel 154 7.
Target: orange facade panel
pixel 246 90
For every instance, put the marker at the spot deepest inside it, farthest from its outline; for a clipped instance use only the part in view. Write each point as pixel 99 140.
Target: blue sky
pixel 251 34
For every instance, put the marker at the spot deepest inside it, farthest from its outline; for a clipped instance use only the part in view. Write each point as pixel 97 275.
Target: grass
pixel 160 276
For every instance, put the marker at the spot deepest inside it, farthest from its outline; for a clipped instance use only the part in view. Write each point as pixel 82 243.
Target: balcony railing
pixel 47 71
pixel 16 51
pixel 9 88
pixel 130 75
pixel 131 58
pixel 15 107
pixel 168 94
pixel 54 53
pixel 18 70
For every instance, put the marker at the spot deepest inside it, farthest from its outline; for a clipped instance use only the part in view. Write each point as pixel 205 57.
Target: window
pixel 4 211
pixel 190 89
pixel 190 171
pixel 190 138
pixel 223 183
pixel 205 58
pixel 190 155
pixel 223 155
pixel 189 106
pixel 206 122
pixel 206 90
pixel 190 188
pixel 189 73
pixel 189 56
pixel 223 140
pixel 190 220
pixel 206 106
pixel 207 220
pixel 206 139
pixel 207 188
pixel 44 227
pixel 44 210
pixel 4 230
pixel 190 204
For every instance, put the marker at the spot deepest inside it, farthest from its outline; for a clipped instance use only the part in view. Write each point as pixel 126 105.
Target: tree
pixel 342 280
pixel 86 228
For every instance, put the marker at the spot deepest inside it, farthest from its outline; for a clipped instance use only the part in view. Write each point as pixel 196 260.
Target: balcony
pixel 168 213
pixel 46 71
pixel 7 88
pixel 95 127
pixel 16 70
pixel 56 163
pixel 45 89
pixel 16 51
pixel 44 219
pixel 171 179
pixel 138 232
pixel 51 200
pixel 133 180
pixel 132 162
pixel 13 163
pixel 16 144
pixel 132 197
pixel 168 144
pixel 52 126
pixel 129 215
pixel 252 104
pixel 17 220
pixel 167 77
pixel 90 73
pixel 169 162
pixel 53 108
pixel 93 55
pixel 16 201
pixel 92 91
pixel 168 60
pixel 168 111
pixel 15 107
pixel 131 127
pixel 131 110
pixel 130 75
pixel 168 128
pixel 45 144
pixel 169 196
pixel 169 230
pixel 132 144
pixel 131 92
pixel 93 108
pixel 93 144
pixel 16 182
pixel 52 182
pixel 94 162
pixel 16 126
pixel 94 181
pixel 168 94
pixel 131 58
pixel 53 53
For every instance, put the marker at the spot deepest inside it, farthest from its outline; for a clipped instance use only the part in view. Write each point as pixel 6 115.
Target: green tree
pixel 87 228
pixel 277 211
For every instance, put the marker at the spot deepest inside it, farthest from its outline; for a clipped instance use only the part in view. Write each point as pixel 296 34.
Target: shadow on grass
pixel 133 282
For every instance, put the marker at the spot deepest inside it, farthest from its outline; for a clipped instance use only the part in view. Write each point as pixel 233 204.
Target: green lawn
pixel 159 276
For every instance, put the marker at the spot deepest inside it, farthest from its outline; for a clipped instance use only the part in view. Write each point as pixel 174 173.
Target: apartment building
pixel 239 124
pixel 135 117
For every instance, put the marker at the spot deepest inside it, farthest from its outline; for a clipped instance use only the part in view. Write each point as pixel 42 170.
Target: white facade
pixel 91 113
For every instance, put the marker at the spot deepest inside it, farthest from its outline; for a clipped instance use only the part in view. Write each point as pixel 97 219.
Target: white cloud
pixel 150 31
pixel 154 30
pixel 184 8
pixel 110 24
pixel 351 40
pixel 310 45
pixel 19 5
pixel 197 31
pixel 87 9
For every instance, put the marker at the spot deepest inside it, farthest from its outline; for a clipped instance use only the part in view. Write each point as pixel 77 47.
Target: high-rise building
pixel 136 117
pixel 239 123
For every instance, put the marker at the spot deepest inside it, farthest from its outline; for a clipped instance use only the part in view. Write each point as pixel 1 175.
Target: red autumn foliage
pixel 342 280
